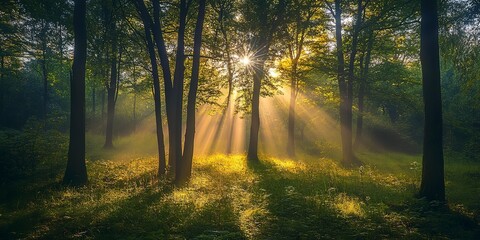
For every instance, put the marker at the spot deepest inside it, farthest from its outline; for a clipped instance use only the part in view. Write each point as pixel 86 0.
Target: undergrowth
pixel 227 198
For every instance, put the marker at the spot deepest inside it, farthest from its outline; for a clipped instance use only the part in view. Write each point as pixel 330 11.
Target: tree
pixel 433 184
pixel 264 19
pixel 115 58
pixel 297 31
pixel 345 87
pixel 76 172
pixel 178 164
pixel 186 166
pixel 150 35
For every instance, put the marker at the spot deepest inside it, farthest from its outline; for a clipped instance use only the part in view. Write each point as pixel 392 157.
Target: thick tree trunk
pixel 433 183
pixel 186 168
pixel 76 172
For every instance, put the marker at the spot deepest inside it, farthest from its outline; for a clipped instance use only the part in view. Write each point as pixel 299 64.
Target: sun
pixel 245 60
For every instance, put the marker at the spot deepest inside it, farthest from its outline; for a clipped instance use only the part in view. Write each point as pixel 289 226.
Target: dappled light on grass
pixel 348 206
pixel 227 198
pixel 287 165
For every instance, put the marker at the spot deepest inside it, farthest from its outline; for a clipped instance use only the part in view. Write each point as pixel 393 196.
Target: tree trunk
pixel 148 25
pixel 361 90
pixel 93 101
pixel 111 90
pixel 186 167
pixel 2 69
pixel 44 71
pixel 291 113
pixel 433 183
pixel 178 82
pixel 103 108
pixel 258 75
pixel 342 85
pixel 76 172
pixel 349 157
pixel 135 113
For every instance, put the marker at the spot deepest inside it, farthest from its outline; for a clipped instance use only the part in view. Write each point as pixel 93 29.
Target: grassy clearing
pixel 311 198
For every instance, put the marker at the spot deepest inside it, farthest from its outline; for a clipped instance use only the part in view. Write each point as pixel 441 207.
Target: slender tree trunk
pixel 103 108
pixel 168 85
pixel 229 63
pixel 94 103
pixel 433 183
pixel 44 70
pixel 76 172
pixel 186 168
pixel 362 89
pixel 111 90
pixel 349 157
pixel 342 85
pixel 154 28
pixel 157 99
pixel 135 113
pixel 178 82
pixel 258 75
pixel 291 113
pixel 2 91
pixel 167 81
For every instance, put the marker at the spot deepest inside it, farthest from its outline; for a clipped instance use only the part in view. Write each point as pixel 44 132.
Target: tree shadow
pixel 304 207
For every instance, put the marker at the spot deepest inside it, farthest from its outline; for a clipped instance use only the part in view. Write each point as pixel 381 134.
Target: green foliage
pixel 229 199
pixel 23 152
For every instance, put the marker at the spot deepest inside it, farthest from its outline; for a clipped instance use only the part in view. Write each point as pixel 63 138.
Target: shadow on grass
pixel 309 207
pixel 225 203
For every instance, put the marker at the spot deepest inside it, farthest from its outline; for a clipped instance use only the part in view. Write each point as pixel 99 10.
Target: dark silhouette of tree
pixel 185 169
pixel 76 172
pixel 264 19
pixel 433 184
pixel 148 29
pixel 114 56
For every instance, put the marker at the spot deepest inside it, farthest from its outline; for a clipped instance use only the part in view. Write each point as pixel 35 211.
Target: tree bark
pixel 362 89
pixel 44 70
pixel 433 183
pixel 156 87
pixel 76 171
pixel 111 90
pixel 186 168
pixel 112 85
pixel 2 69
pixel 175 150
pixel 167 82
pixel 349 157
pixel 258 75
pixel 342 85
pixel 291 112
pixel 94 96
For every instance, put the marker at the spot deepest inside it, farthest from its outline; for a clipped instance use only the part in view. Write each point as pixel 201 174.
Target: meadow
pixel 309 198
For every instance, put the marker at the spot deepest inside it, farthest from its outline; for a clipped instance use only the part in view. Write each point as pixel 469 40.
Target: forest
pixel 240 119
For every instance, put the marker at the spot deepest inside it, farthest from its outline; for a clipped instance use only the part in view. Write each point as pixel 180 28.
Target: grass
pixel 227 198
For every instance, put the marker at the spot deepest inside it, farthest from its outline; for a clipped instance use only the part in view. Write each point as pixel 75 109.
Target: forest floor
pixel 310 198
